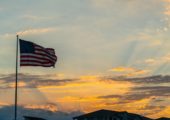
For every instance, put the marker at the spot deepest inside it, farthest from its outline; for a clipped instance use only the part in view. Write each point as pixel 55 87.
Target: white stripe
pixel 34 59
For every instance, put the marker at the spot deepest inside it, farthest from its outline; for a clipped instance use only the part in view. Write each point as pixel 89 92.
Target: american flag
pixel 32 54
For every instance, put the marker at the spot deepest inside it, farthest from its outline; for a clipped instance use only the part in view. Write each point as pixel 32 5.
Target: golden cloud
pixel 122 69
pixel 138 72
pixel 20 84
pixel 165 112
pixel 129 71
pixel 89 77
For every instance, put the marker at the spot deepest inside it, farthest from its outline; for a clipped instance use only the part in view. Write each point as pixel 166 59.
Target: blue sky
pixel 92 38
pixel 89 36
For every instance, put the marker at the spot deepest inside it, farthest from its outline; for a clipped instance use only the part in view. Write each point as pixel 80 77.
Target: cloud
pixel 142 99
pixel 164 112
pixel 158 61
pixel 48 106
pixel 97 92
pixel 33 81
pixel 36 31
pixel 138 73
pixel 150 61
pixel 157 79
pixel 42 113
pixel 167 7
pixel 148 95
pixel 166 1
pixel 129 71
pixel 154 88
pixel 110 96
pixel 122 69
pixel 151 92
pixel 90 77
pixel 35 18
pixel 102 3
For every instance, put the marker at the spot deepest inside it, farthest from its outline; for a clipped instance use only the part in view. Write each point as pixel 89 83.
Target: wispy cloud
pixel 165 59
pixel 97 92
pixel 167 7
pixel 129 71
pixel 33 81
pixel 36 31
pixel 122 69
pixel 158 79
pixel 35 18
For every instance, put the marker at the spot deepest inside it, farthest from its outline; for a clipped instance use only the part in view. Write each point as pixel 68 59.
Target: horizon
pixel 111 55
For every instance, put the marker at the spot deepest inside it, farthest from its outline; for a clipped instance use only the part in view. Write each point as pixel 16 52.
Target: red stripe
pixel 36 61
pixel 36 65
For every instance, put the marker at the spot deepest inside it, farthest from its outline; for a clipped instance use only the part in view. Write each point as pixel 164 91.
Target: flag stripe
pixel 41 60
pixel 33 56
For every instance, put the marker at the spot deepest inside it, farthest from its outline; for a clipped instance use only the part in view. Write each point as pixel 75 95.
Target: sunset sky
pixel 112 54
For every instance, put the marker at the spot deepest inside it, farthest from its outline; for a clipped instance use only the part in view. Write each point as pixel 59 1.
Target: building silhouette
pixel 110 115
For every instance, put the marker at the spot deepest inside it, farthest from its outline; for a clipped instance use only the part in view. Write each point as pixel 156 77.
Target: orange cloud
pixel 165 113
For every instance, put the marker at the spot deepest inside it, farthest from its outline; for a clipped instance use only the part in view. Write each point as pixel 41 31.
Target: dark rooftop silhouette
pixel 110 115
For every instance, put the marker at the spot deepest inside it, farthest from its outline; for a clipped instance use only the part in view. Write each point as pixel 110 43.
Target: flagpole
pixel 16 80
